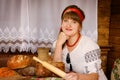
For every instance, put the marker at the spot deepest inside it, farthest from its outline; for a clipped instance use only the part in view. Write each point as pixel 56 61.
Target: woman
pixel 80 54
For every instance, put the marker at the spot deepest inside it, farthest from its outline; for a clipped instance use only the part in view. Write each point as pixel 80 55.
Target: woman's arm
pixel 92 76
pixel 77 76
pixel 57 56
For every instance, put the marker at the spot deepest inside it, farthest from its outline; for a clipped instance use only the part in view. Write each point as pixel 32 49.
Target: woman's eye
pixel 74 22
pixel 65 20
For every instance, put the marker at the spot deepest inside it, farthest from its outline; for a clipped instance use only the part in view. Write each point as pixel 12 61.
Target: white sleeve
pixel 93 61
pixel 93 67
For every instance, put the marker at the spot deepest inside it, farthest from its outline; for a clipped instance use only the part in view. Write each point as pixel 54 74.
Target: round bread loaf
pixel 18 61
pixel 41 71
pixel 27 71
pixel 7 72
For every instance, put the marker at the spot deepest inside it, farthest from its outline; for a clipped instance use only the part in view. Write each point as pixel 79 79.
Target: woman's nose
pixel 69 24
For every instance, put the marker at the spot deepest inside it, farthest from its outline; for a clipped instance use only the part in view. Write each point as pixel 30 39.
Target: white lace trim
pixel 24 40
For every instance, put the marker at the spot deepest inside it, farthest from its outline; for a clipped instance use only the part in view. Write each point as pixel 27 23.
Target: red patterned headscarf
pixel 76 11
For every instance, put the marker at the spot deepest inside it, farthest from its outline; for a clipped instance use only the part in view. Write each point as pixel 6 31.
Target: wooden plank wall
pixel 103 22
pixel 114 34
pixel 103 30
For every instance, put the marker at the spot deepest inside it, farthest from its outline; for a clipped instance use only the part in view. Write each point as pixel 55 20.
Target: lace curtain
pixel 26 25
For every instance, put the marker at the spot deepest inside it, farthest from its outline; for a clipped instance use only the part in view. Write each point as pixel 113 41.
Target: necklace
pixel 74 43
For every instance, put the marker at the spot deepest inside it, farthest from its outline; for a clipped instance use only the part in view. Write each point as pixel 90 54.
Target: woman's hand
pixel 71 76
pixel 62 38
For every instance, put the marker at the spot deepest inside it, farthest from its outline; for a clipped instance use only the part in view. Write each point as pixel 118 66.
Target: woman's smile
pixel 68 29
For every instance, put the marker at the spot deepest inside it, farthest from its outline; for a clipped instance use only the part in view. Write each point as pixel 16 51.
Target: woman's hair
pixel 73 12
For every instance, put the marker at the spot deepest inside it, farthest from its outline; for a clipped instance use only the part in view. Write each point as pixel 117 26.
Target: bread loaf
pixel 7 72
pixel 27 71
pixel 41 71
pixel 18 61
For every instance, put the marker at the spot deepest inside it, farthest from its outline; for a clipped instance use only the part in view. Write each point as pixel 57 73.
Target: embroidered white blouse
pixel 85 58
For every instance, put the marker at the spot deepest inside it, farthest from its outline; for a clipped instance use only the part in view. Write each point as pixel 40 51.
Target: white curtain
pixel 26 25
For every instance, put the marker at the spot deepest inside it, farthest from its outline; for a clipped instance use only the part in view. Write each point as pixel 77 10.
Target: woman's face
pixel 70 27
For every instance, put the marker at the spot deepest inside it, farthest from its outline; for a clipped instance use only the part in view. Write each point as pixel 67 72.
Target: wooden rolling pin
pixel 51 67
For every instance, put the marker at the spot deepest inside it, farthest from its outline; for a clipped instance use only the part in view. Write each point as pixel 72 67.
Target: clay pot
pixel 43 54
